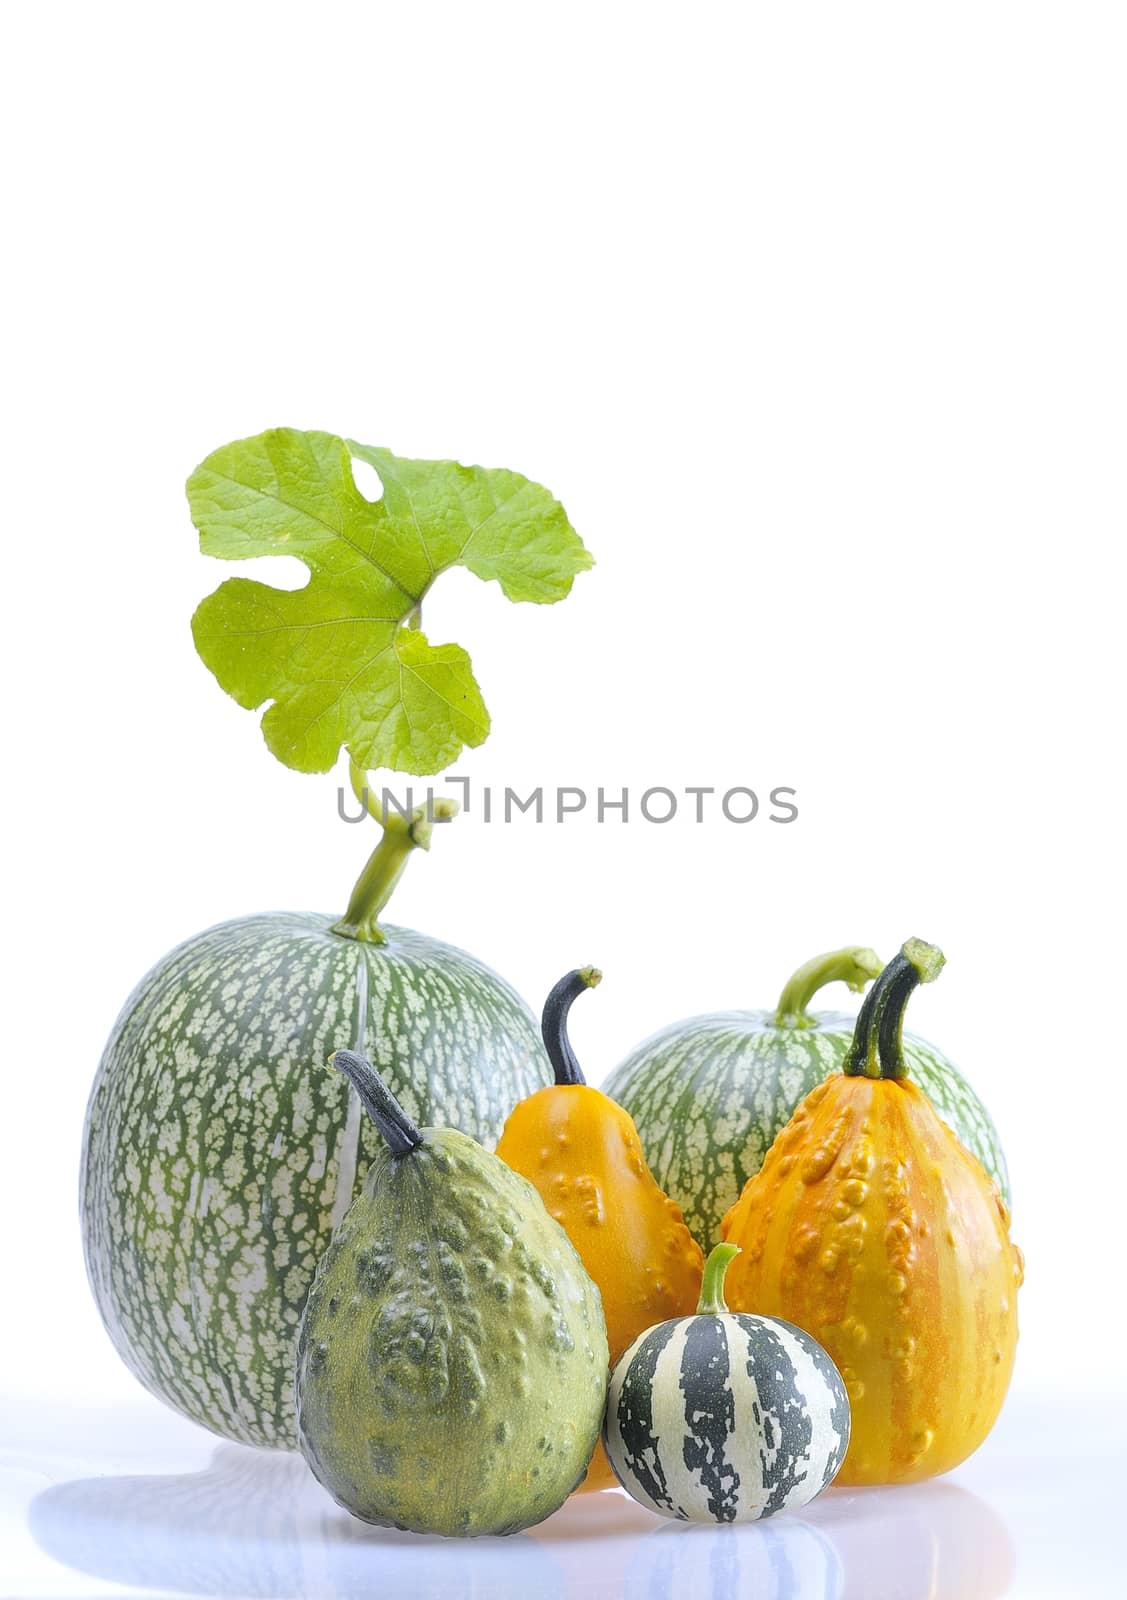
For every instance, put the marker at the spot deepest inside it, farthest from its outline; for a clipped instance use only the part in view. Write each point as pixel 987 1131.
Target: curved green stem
pixel 877 1050
pixel 712 1302
pixel 553 1023
pixel 376 884
pixel 854 965
pixel 394 1124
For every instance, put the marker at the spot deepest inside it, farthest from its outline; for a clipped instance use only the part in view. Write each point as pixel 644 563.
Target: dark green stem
pixel 553 1023
pixel 712 1302
pixel 376 884
pixel 877 1049
pixel 394 1124
pixel 854 965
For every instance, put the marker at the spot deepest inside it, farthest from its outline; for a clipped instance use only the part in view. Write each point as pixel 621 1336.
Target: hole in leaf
pixel 367 480
pixel 280 572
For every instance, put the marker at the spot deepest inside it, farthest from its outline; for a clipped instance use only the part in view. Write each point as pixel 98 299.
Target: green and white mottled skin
pixel 452 1359
pixel 710 1094
pixel 220 1151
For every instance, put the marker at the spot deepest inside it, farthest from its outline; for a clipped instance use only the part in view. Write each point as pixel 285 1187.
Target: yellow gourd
pixel 873 1228
pixel 583 1154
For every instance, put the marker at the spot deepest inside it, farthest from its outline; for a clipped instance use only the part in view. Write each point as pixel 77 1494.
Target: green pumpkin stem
pixel 712 1302
pixel 854 965
pixel 553 1023
pixel 394 1124
pixel 401 835
pixel 877 1050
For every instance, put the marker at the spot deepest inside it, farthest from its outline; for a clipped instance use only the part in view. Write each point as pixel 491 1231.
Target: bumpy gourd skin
pixel 583 1154
pixel 872 1227
pixel 709 1095
pixel 452 1360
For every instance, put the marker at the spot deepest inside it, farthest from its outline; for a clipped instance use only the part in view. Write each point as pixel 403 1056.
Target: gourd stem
pixel 877 1049
pixel 553 1023
pixel 394 1124
pixel 712 1302
pixel 401 835
pixel 854 965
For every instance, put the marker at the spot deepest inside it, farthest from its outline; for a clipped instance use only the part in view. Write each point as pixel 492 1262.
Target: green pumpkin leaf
pixel 341 661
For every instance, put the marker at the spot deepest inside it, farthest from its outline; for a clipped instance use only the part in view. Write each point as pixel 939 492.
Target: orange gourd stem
pixel 581 1151
pixel 553 1023
pixel 877 1050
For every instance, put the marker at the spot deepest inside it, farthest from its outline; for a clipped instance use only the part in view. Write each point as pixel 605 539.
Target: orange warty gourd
pixel 583 1154
pixel 873 1228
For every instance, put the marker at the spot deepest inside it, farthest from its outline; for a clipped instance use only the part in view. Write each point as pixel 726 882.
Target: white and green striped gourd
pixel 708 1095
pixel 725 1417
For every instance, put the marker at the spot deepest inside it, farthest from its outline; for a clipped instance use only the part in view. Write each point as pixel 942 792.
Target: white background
pixel 814 319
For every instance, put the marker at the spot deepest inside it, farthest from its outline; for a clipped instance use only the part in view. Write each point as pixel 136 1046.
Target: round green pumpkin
pixel 708 1095
pixel 219 1153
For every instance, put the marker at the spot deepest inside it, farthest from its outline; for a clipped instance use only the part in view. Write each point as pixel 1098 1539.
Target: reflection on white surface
pixel 134 1501
pixel 780 1558
pixel 256 1525
pixel 925 1541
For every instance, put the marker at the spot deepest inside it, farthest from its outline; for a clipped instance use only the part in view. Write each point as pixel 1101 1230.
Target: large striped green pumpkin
pixel 708 1095
pixel 220 1151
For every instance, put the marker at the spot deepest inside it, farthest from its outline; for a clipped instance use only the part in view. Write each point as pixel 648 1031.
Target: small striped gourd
pixel 871 1225
pixel 725 1417
pixel 581 1152
pixel 709 1095
pixel 452 1355
pixel 219 1155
